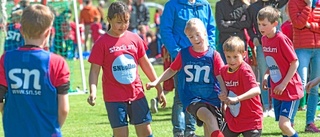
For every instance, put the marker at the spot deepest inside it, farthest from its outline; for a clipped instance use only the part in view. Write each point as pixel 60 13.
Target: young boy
pixel 282 61
pixel 244 112
pixel 14 38
pixel 34 83
pixel 119 53
pixel 198 71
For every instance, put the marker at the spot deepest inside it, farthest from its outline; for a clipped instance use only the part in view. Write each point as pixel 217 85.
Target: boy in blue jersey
pixel 14 38
pixel 198 72
pixel 33 82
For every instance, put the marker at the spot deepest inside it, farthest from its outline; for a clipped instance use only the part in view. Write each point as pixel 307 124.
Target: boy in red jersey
pixel 119 53
pixel 244 112
pixel 282 62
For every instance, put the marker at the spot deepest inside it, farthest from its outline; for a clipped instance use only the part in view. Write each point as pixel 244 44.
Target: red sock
pixel 217 133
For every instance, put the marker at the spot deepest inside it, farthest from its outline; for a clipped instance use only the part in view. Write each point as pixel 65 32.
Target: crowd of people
pixel 228 70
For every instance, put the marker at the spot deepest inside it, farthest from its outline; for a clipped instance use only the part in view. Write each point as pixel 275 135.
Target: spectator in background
pixel 102 16
pixel 21 6
pixel 61 26
pixel 305 16
pixel 86 17
pixel 14 38
pixel 3 19
pixel 75 50
pixel 172 27
pixel 143 14
pixel 156 18
pixel 96 29
pixel 139 15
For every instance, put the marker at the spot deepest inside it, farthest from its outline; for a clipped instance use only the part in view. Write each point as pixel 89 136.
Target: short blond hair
pixel 35 20
pixel 234 44
pixel 195 23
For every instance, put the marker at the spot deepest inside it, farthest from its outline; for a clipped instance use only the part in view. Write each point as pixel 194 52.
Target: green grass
pixel 87 121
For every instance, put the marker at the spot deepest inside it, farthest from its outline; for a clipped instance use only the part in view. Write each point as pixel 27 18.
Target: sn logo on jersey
pixel 16 74
pixel 198 69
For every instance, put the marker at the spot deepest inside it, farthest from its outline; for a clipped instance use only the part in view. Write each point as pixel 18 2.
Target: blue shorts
pixel 138 112
pixel 284 108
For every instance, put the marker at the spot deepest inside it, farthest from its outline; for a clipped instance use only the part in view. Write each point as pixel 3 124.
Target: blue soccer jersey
pixel 197 82
pixel 14 38
pixel 31 102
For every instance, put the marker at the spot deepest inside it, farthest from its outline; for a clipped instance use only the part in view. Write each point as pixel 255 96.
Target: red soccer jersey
pixel 59 70
pixel 239 82
pixel 218 62
pixel 119 57
pixel 279 53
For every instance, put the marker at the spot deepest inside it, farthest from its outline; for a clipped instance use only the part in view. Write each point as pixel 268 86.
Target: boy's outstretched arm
pixel 292 70
pixel 148 69
pixel 93 81
pixel 312 83
pixel 246 95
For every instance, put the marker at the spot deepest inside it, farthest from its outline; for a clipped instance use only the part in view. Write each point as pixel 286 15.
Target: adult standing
pixel 305 17
pixel 139 15
pixel 173 20
pixel 87 15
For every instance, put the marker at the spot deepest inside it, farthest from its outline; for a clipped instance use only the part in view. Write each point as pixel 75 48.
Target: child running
pixel 119 53
pixel 244 112
pixel 282 62
pixel 198 71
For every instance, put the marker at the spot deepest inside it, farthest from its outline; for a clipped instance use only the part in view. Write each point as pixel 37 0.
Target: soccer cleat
pixel 312 128
pixel 154 106
pixel 271 113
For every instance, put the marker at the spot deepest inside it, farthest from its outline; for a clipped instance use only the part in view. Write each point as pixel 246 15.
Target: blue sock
pixel 295 135
pixel 150 135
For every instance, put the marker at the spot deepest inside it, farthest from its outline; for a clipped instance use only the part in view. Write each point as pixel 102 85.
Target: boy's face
pixel 267 28
pixel 197 37
pixel 118 25
pixel 234 59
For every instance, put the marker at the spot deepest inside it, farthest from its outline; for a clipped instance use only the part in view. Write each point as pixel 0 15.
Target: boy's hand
pixel 150 85
pixel 162 100
pixel 265 84
pixel 278 90
pixel 231 100
pixel 91 100
pixel 223 96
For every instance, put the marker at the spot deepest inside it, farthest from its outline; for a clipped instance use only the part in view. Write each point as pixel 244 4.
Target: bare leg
pixel 143 130
pixel 121 132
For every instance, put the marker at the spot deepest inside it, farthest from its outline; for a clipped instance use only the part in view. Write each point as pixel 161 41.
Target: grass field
pixel 87 121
